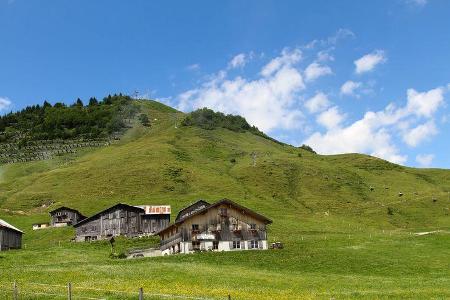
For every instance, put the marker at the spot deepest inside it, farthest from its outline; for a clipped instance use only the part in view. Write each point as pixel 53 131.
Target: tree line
pixel 96 119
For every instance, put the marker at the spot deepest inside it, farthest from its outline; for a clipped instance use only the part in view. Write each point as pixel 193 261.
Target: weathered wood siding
pixel 65 216
pixel 235 225
pixel 10 239
pixel 121 221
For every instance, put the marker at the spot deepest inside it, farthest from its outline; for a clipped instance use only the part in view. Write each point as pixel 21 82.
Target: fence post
pixel 15 291
pixel 229 297
pixel 141 294
pixel 69 291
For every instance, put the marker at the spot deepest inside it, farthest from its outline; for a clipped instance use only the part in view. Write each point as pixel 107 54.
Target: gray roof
pixel 7 225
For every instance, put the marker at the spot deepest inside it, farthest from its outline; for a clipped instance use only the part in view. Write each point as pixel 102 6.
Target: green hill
pixel 347 231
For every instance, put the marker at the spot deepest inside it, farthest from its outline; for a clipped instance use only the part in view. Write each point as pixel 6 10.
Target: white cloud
pixel 420 3
pixel 317 103
pixel 415 136
pixel 315 70
pixel 4 103
pixel 267 102
pixel 324 55
pixel 425 160
pixel 363 136
pixel 287 58
pixel 331 119
pixel 238 61
pixel 369 61
pixel 193 67
pixel 374 133
pixel 425 104
pixel 341 34
pixel 349 88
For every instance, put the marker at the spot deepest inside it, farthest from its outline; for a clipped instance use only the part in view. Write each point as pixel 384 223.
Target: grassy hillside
pixel 347 232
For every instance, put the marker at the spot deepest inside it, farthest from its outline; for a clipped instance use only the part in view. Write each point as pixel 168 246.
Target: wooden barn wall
pixel 211 218
pixel 123 222
pixel 10 239
pixel 71 216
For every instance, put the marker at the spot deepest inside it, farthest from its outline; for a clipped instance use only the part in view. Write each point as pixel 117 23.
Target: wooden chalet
pixel 10 236
pixel 222 226
pixel 125 220
pixel 65 216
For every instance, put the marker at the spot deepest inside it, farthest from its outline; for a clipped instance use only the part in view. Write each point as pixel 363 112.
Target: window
pixel 195 227
pixel 215 245
pixel 236 244
pixel 223 211
pixel 254 245
pixel 253 226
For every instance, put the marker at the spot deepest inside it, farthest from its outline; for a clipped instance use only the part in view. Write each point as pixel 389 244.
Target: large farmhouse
pixel 10 236
pixel 65 216
pixel 222 226
pixel 123 219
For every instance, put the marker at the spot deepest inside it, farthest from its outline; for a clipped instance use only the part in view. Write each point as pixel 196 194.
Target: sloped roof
pixel 5 224
pixel 66 208
pixel 220 202
pixel 130 207
pixel 198 203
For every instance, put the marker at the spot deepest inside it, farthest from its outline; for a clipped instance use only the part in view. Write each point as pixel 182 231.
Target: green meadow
pixel 347 232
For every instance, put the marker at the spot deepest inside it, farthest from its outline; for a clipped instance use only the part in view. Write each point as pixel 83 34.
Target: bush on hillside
pixel 208 119
pixel 144 120
pixel 307 148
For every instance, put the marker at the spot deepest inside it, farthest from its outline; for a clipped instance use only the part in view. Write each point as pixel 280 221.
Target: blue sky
pixel 342 76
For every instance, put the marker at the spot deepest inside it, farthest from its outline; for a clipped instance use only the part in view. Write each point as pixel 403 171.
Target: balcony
pixel 215 228
pixel 167 243
pixel 236 228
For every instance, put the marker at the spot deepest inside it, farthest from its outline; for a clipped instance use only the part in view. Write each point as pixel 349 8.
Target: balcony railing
pixel 171 239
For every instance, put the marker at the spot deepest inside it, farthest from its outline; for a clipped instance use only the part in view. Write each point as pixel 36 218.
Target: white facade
pixel 208 245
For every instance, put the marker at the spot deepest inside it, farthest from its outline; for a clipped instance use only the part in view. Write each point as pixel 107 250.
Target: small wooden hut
pixel 10 236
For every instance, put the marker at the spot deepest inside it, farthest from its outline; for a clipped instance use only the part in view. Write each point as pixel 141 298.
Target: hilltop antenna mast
pixel 135 94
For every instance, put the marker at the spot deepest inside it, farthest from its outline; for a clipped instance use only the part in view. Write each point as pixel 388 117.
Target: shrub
pixel 390 211
pixel 307 148
pixel 208 119
pixel 144 120
pixel 120 255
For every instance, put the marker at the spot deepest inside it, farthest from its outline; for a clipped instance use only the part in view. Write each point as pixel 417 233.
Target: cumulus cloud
pixel 425 104
pixel 425 160
pixel 316 70
pixel 349 88
pixel 375 133
pixel 324 55
pixel 369 61
pixel 331 119
pixel 4 103
pixel 238 61
pixel 287 58
pixel 267 101
pixel 417 135
pixel 317 103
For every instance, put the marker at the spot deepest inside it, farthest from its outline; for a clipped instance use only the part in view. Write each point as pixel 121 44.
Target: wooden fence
pixel 33 290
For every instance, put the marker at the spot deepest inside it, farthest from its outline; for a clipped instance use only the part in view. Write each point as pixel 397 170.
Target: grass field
pixel 347 232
